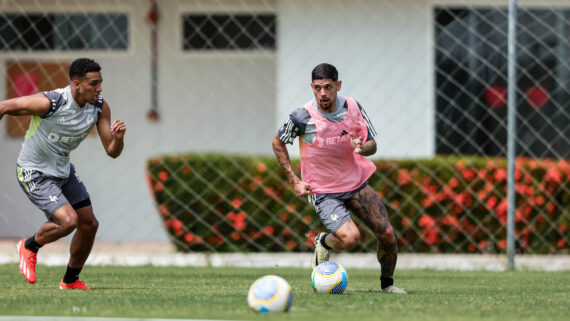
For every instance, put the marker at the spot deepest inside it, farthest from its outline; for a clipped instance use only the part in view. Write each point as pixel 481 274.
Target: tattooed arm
pixel 300 188
pixel 366 149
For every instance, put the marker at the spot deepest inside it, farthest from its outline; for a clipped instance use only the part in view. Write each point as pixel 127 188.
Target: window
pixel 471 81
pixel 65 31
pixel 26 78
pixel 229 32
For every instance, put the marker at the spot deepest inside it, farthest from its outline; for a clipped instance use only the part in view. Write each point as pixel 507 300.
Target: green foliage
pixel 225 203
pixel 221 293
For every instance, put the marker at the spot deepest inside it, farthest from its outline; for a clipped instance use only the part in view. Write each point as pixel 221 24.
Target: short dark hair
pixel 80 67
pixel 324 71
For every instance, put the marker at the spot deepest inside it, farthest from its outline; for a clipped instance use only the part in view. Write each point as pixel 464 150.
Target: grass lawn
pixel 221 293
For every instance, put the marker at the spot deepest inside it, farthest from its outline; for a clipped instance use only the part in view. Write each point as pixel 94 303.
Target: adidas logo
pixel 343 133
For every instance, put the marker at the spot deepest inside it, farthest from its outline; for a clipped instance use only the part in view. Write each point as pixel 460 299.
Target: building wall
pixel 234 103
pixel 382 50
pixel 207 102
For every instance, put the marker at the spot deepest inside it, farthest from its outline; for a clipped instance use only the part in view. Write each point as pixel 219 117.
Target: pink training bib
pixel 329 164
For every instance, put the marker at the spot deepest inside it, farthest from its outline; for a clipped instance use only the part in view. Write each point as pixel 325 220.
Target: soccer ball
pixel 329 277
pixel 270 293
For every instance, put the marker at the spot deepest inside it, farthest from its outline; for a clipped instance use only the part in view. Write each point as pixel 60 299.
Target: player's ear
pixel 338 85
pixel 75 82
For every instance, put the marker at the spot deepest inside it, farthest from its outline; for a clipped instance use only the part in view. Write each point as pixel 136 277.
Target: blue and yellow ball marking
pixel 333 271
pixel 267 290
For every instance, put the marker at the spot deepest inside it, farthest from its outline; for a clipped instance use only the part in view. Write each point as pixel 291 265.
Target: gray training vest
pixel 51 137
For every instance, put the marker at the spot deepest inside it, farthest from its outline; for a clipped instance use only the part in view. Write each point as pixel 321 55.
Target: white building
pixel 229 101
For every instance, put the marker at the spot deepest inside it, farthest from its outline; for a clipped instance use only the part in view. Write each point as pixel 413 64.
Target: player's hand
pixel 118 129
pixel 356 143
pixel 301 188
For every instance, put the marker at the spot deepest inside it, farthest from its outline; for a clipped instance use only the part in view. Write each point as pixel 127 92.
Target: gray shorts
pixel 331 207
pixel 49 193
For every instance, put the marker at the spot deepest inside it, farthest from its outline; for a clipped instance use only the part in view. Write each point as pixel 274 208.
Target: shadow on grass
pixel 373 291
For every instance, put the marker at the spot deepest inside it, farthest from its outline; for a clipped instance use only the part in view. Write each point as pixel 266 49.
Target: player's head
pixel 324 71
pixel 80 67
pixel 325 85
pixel 86 79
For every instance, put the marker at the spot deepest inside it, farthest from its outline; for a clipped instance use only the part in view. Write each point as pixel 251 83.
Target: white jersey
pixel 51 137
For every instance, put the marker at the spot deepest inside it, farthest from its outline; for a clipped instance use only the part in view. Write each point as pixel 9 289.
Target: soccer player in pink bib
pixel 334 136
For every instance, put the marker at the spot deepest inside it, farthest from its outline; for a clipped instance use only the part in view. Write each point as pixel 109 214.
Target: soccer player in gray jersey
pixel 61 119
pixel 317 125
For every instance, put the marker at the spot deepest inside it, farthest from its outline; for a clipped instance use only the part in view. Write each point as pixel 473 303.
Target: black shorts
pixel 49 193
pixel 331 207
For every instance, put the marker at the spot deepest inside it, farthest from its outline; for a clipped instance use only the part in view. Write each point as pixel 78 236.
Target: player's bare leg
pixel 345 238
pixel 84 237
pixel 80 248
pixel 61 223
pixel 367 206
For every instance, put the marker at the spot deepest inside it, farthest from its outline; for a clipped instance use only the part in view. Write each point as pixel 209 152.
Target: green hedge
pixel 224 203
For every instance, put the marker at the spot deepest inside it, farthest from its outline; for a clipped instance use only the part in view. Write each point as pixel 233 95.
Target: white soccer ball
pixel 330 278
pixel 270 293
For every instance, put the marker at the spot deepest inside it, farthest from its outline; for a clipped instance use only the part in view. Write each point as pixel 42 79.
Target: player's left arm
pixel 365 149
pixel 111 135
pixel 369 147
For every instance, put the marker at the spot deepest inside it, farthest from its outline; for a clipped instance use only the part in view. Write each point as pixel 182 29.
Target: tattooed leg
pixel 367 206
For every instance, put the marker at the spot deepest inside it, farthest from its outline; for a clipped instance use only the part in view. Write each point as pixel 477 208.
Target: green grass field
pixel 221 293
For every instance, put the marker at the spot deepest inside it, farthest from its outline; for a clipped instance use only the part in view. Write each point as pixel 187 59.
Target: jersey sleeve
pixel 99 106
pixel 294 126
pixel 371 130
pixel 56 100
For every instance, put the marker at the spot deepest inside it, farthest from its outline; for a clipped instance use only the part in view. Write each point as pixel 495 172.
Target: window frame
pixel 492 148
pixel 229 17
pixel 247 7
pixel 72 54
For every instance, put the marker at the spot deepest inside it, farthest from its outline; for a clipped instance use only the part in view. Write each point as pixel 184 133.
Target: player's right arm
pixel 300 188
pixel 37 104
pixel 294 127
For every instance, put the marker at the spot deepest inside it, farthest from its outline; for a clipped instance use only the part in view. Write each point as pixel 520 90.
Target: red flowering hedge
pixel 225 203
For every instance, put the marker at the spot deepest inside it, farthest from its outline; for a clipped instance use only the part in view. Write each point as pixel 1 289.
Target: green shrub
pixel 226 203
